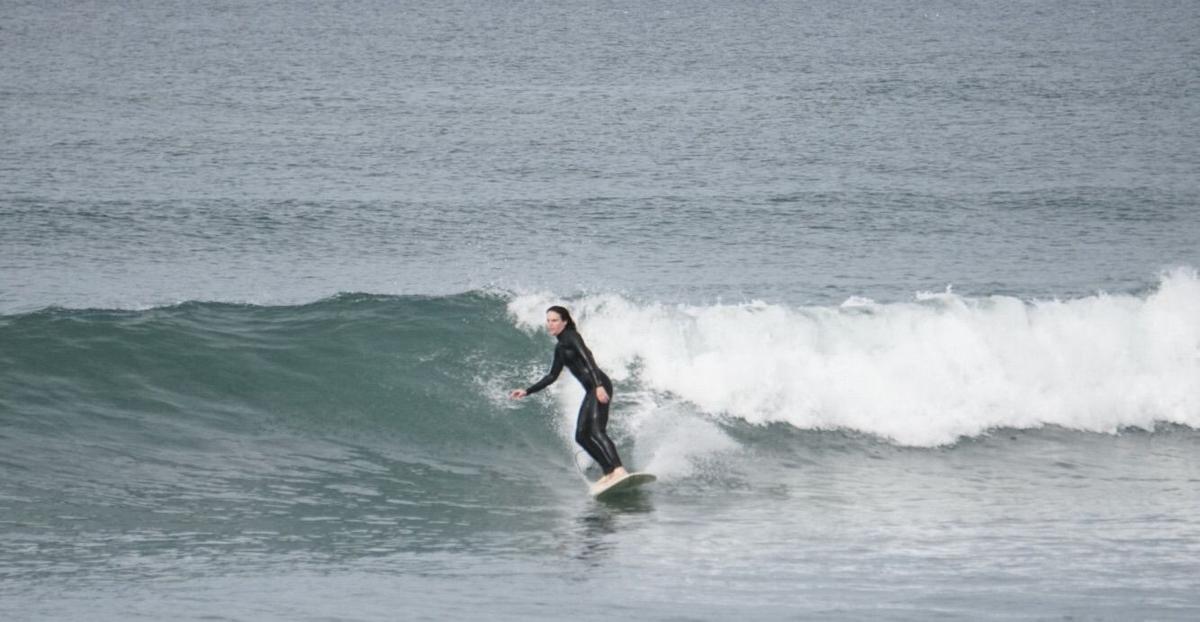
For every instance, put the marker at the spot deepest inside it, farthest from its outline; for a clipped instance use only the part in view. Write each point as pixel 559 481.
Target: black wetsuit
pixel 593 416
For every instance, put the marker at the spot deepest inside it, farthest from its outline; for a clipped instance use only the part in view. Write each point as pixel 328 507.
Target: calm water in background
pixel 302 455
pixel 281 152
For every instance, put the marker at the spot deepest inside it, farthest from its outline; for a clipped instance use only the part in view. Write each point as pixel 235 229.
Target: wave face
pixel 920 373
pixel 413 371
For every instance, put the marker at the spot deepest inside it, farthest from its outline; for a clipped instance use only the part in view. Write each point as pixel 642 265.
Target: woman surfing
pixel 590 428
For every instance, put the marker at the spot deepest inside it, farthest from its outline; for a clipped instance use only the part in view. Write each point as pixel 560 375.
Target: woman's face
pixel 554 323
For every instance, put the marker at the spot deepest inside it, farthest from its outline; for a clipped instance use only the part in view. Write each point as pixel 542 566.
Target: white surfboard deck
pixel 625 484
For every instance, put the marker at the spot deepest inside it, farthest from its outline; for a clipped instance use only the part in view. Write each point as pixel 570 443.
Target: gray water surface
pixel 272 152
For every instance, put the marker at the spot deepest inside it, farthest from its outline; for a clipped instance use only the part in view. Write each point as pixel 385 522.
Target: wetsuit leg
pixel 591 434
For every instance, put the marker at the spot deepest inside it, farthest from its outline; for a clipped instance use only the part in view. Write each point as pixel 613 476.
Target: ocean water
pixel 901 304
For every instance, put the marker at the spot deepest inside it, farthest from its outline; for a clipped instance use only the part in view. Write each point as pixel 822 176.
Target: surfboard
pixel 630 482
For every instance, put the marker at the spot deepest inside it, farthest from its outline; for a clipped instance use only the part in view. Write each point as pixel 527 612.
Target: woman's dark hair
pixel 564 314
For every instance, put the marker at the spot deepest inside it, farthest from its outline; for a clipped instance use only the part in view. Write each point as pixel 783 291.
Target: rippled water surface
pixel 900 303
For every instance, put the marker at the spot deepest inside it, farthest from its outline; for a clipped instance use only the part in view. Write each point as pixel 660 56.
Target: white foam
pixel 920 373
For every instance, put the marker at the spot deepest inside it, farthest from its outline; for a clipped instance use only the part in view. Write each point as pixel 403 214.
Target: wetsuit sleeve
pixel 548 379
pixel 585 357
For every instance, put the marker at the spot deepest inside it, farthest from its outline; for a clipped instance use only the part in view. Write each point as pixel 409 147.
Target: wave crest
pixel 920 373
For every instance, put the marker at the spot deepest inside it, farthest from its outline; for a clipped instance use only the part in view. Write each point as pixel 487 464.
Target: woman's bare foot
pixel 616 474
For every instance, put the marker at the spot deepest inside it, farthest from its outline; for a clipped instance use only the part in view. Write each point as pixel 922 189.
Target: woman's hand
pixel 602 395
pixel 516 394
